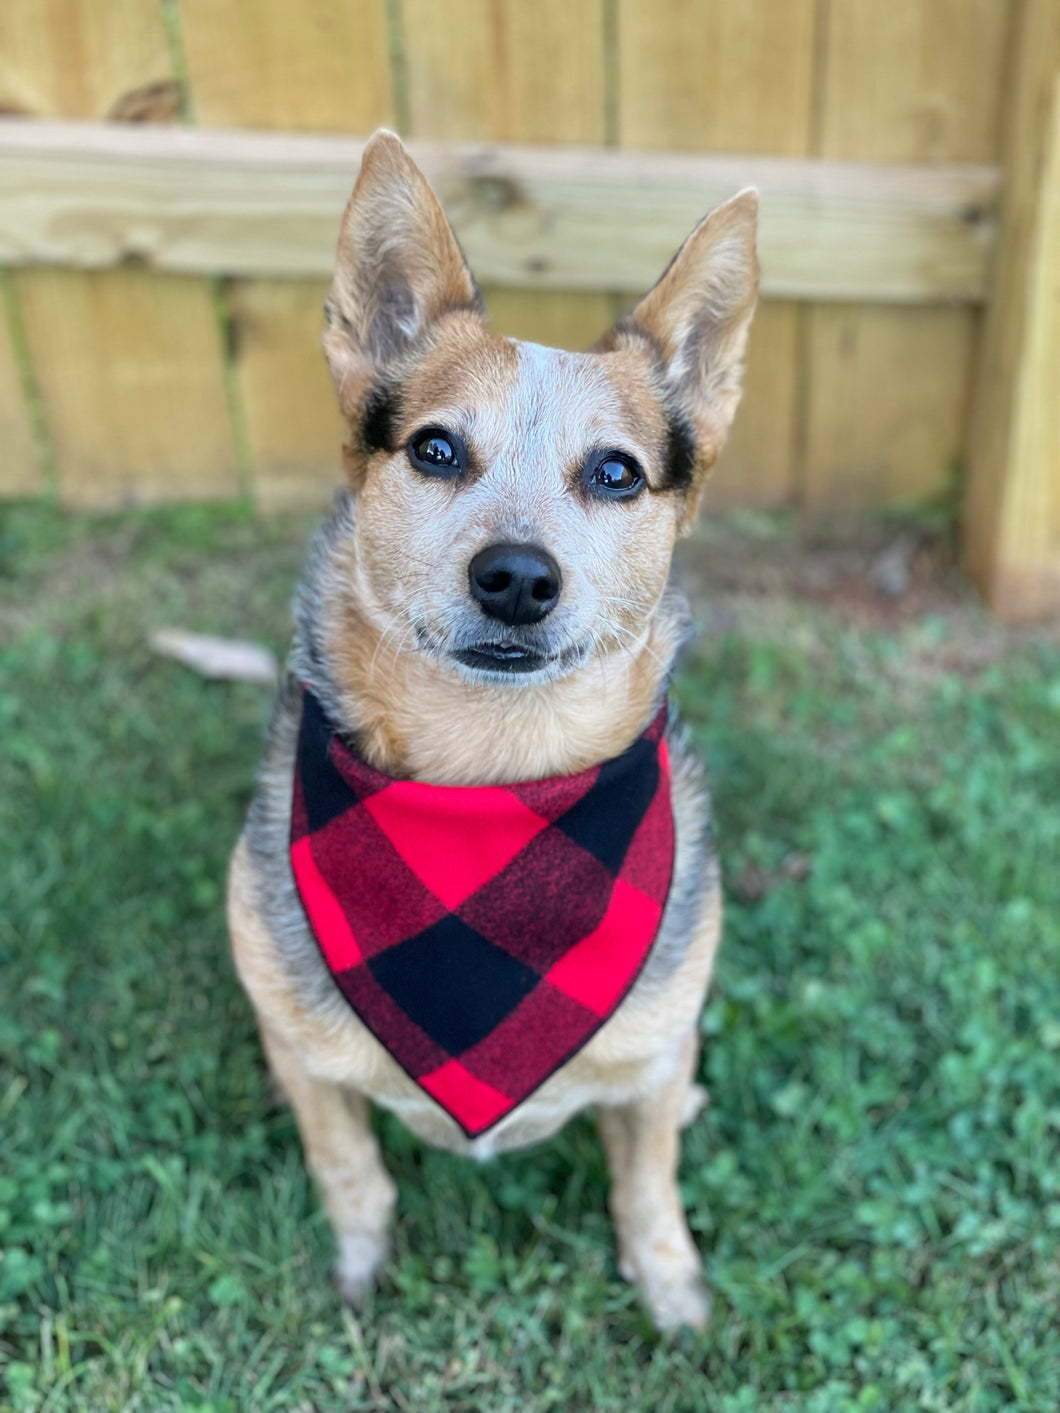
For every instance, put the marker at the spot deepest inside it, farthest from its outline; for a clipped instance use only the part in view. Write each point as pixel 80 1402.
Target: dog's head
pixel 517 505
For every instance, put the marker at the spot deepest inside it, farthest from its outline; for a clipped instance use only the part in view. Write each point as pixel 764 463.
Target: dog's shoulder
pixel 268 889
pixel 696 879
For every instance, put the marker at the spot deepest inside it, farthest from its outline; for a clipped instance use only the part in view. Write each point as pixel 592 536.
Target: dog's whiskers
pixel 640 643
pixel 388 632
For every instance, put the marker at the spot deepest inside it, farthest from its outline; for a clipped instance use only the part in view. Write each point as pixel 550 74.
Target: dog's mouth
pixel 502 657
pixel 505 659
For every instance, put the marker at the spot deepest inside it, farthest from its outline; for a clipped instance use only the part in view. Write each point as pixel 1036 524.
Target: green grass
pixel 876 1186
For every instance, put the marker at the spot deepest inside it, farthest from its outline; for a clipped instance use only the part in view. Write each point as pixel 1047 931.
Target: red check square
pixel 473 1102
pixel 454 838
pixel 598 970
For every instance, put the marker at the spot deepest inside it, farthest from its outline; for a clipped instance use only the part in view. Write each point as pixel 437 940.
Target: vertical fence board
pixel 914 80
pixel 293 427
pixel 906 81
pixel 505 70
pixel 130 370
pixel 874 436
pixel 1012 507
pixel 19 466
pixel 318 65
pixel 730 76
pixel 716 75
pixel 88 332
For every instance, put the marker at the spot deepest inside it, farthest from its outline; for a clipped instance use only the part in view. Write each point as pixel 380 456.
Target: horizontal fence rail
pixel 197 201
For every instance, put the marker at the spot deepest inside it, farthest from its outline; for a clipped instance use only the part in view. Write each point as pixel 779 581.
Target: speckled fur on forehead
pixel 588 401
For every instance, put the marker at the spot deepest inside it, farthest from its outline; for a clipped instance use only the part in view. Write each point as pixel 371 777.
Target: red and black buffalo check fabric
pixel 483 934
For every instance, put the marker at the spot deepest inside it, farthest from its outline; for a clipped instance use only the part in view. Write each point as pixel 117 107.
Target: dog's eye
pixel 437 452
pixel 614 474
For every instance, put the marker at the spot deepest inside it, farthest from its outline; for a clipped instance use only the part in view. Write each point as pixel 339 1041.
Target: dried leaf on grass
pixel 222 659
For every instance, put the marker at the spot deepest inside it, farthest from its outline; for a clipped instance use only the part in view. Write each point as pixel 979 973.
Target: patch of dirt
pixel 757 573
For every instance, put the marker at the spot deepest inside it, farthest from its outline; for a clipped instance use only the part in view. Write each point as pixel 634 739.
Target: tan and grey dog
pixel 590 466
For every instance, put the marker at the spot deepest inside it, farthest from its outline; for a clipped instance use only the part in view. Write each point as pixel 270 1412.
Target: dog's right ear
pixel 398 268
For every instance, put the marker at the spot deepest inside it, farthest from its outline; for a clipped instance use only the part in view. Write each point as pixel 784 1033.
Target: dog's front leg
pixel 342 1153
pixel 655 1247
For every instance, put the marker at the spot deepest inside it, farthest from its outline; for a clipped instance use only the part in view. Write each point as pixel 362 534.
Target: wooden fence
pixel 165 273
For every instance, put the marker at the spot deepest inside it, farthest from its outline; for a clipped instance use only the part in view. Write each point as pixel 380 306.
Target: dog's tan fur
pixel 384 605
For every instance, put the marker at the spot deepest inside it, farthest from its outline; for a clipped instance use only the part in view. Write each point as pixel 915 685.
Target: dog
pixel 474 709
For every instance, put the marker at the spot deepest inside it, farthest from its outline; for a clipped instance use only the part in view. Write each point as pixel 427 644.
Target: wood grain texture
pixel 909 82
pixel 1012 507
pixel 292 420
pixel 84 58
pixel 505 70
pixel 129 367
pixel 914 80
pixel 104 347
pixel 733 76
pixel 716 75
pixel 20 472
pixel 255 203
pixel 318 65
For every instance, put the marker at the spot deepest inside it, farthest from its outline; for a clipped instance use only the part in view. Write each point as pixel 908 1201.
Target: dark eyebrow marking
pixel 379 419
pixel 681 453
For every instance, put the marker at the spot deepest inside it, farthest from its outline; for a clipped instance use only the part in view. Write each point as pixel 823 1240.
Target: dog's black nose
pixel 515 583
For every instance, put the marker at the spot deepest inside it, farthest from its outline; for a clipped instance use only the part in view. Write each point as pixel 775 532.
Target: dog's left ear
pixel 697 318
pixel 398 268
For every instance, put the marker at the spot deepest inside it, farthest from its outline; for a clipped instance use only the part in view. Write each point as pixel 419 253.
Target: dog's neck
pixel 411 715
pixel 415 717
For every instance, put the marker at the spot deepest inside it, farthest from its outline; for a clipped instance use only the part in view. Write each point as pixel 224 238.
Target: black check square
pixel 453 983
pixel 628 784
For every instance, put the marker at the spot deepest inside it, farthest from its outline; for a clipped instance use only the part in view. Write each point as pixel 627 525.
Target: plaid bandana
pixel 482 933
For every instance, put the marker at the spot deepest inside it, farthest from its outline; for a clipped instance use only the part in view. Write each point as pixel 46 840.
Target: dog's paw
pixel 679 1305
pixel 360 1257
pixel 673 1289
